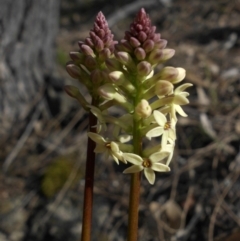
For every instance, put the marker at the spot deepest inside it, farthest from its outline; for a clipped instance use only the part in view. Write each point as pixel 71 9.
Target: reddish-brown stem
pixel 135 187
pixel 133 207
pixel 89 181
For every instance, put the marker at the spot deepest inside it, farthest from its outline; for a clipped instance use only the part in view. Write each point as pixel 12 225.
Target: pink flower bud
pixel 71 90
pixel 161 44
pixel 140 53
pixel 163 87
pixel 125 59
pixel 74 71
pixel 107 91
pixel 169 73
pixel 141 28
pixel 90 62
pixel 96 77
pixel 167 54
pixel 134 42
pixel 80 43
pixel 98 43
pixel 148 45
pixel 89 42
pixel 105 54
pixel 74 92
pixel 86 50
pixel 156 37
pixel 142 36
pixel 76 56
pixel 144 68
pixel 155 56
pixel 117 77
pixel 100 33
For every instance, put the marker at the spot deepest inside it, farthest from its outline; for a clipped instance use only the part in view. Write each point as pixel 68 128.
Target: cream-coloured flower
pixel 143 109
pixel 148 165
pixel 179 98
pixel 158 148
pixel 169 148
pixel 118 132
pixel 108 148
pixel 166 128
pixel 101 125
pixel 172 102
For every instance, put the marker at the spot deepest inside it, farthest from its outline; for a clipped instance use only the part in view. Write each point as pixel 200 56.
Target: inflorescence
pixel 124 74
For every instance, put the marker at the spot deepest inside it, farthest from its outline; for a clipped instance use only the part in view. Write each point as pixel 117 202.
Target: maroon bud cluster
pixel 143 44
pixel 87 64
pixel 141 29
pixel 100 42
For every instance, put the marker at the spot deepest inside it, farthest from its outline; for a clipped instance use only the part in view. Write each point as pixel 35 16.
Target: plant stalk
pixel 89 181
pixel 134 188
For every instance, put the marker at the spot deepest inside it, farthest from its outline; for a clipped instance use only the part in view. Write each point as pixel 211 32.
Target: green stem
pixel 135 188
pixel 89 181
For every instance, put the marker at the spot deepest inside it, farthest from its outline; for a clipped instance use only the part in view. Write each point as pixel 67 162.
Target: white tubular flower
pixel 101 125
pixel 180 98
pixel 109 148
pixel 166 128
pixel 149 165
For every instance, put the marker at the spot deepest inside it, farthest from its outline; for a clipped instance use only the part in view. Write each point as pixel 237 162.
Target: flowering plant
pixel 123 74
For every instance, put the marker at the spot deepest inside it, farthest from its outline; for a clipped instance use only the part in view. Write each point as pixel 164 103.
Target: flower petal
pixel 133 169
pixel 173 112
pixel 114 146
pixel 124 138
pixel 172 134
pixel 157 131
pixel 97 138
pixel 180 111
pixel 180 100
pixel 99 127
pixel 96 112
pixel 180 77
pixel 164 139
pixel 150 175
pixel 158 156
pixel 115 159
pixel 169 158
pixel 185 94
pixel 159 117
pixel 159 167
pixel 181 88
pixel 133 158
pixel 119 156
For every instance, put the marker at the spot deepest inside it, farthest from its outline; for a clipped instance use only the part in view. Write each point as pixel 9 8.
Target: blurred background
pixel 43 131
